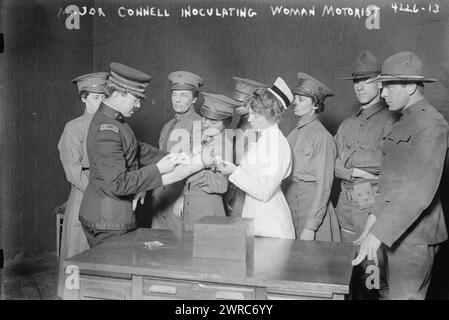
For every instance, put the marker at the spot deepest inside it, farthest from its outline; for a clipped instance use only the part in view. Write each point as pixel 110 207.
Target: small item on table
pixel 153 244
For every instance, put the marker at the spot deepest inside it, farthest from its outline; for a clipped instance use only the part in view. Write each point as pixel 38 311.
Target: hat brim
pixel 93 90
pixel 392 78
pixel 356 78
pixel 182 86
pixel 137 94
pixel 210 114
pixel 301 92
pixel 362 76
pixel 346 78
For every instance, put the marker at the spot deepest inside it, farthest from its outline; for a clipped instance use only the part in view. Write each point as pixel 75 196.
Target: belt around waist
pixel 106 225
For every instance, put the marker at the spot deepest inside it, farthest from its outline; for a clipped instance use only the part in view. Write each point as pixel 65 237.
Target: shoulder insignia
pixel 109 127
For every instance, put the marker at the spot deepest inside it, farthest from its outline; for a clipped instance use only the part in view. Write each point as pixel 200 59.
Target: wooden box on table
pixel 223 238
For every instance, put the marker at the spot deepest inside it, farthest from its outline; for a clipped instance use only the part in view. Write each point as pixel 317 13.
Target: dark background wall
pixel 36 100
pixel 263 48
pixel 42 56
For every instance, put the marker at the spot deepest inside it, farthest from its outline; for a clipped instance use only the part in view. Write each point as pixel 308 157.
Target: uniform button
pixel 384 153
pixel 361 125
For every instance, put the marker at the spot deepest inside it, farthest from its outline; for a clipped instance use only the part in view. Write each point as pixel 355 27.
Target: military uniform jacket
pixel 203 190
pixel 187 123
pixel 184 127
pixel 408 208
pixel 359 141
pixel 120 167
pixel 73 156
pixel 314 156
pixel 73 151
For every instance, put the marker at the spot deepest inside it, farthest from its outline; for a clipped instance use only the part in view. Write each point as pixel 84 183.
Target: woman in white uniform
pixel 268 162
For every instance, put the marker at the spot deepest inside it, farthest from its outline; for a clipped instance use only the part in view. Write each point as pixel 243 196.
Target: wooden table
pixel 278 269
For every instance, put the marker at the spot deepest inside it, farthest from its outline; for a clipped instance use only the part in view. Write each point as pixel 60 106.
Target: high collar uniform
pixel 359 141
pixel 120 167
pixel 410 220
pixel 308 188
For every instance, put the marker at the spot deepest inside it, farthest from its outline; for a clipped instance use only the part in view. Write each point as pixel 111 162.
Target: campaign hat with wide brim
pixel 402 67
pixel 364 67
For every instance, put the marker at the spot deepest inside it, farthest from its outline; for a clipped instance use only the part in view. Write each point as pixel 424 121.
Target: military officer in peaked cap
pixel 308 188
pixel 407 217
pixel 73 156
pixel 244 88
pixel 359 141
pixel 202 195
pixel 121 167
pixel 176 135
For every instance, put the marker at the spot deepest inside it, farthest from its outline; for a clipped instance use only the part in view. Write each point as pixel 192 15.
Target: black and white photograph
pixel 224 150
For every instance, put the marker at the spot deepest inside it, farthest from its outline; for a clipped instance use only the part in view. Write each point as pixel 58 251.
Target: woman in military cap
pixel 267 163
pixel 184 92
pixel 203 191
pixel 308 188
pixel 73 156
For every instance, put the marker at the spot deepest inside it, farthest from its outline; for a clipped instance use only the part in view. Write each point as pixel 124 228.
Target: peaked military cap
pixel 132 80
pixel 404 67
pixel 92 82
pixel 281 90
pixel 218 106
pixel 311 87
pixel 244 88
pixel 364 67
pixel 185 80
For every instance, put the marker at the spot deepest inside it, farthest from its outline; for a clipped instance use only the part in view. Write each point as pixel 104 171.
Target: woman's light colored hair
pixel 265 103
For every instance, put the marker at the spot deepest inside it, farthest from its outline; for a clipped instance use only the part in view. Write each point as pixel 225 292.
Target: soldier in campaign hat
pixel 261 172
pixel 202 194
pixel 359 141
pixel 244 88
pixel 122 168
pixel 73 156
pixel 177 135
pixel 308 188
pixel 407 218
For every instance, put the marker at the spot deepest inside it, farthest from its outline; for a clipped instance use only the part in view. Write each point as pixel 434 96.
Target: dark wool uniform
pixel 120 167
pixel 410 222
pixel 410 218
pixel 185 126
pixel 308 188
pixel 203 192
pixel 359 141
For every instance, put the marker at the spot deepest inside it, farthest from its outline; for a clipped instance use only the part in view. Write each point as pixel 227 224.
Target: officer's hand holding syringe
pixel 175 167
